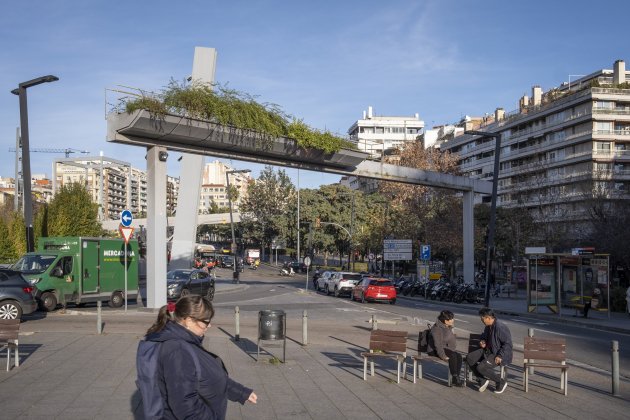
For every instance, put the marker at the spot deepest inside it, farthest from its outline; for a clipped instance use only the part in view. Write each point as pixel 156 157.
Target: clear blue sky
pixel 323 61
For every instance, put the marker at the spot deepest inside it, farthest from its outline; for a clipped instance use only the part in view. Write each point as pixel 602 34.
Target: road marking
pixel 525 321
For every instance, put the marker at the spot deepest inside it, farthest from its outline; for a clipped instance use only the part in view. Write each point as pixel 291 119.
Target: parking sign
pixel 426 252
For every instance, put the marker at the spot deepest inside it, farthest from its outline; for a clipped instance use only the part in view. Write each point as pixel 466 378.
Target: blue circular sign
pixel 126 218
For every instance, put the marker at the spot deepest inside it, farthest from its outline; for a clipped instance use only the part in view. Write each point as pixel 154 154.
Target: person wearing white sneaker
pixel 496 350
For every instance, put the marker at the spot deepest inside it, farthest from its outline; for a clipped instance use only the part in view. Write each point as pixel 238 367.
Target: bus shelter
pixel 567 280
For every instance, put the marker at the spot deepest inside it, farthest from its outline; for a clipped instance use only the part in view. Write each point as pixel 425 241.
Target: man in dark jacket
pixel 496 350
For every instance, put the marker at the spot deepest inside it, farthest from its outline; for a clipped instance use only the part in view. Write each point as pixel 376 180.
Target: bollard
pixel 374 323
pixel 304 328
pixel 99 325
pixel 237 316
pixel 615 368
pixel 530 333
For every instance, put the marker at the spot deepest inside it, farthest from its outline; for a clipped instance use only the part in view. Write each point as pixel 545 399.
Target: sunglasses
pixel 206 322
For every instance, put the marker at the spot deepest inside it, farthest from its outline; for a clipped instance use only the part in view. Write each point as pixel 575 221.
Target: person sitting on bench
pixel 443 345
pixel 496 350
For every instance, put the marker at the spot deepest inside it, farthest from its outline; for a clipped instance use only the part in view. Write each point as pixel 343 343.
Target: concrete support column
pixel 184 236
pixel 156 229
pixel 469 235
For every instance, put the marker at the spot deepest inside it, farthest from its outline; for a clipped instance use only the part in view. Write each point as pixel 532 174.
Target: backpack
pixel 147 366
pixel 423 339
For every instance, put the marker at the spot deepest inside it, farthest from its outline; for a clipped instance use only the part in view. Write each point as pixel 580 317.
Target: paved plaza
pixel 68 371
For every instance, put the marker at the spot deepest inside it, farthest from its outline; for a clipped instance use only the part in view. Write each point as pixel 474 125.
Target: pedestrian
pixel 186 392
pixel 628 300
pixel 443 344
pixel 496 350
pixel 592 302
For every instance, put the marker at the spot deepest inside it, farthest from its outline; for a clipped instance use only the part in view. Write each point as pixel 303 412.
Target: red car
pixel 372 289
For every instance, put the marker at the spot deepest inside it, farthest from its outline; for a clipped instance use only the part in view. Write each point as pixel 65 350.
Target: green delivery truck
pixel 79 270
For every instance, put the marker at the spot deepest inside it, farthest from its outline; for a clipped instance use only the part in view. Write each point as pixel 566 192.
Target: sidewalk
pixel 68 371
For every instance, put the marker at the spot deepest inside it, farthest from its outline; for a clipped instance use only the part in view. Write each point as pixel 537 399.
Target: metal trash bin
pixel 272 326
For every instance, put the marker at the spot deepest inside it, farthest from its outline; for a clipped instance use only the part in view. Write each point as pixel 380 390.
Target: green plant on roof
pixel 238 110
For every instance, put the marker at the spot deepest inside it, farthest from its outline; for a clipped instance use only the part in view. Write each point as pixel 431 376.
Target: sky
pixel 322 61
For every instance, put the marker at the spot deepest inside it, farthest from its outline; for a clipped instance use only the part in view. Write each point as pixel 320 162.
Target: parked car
pixel 189 282
pixel 372 289
pixel 342 283
pixel 322 279
pixel 16 295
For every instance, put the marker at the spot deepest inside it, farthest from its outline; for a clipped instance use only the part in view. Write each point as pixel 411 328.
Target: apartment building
pixel 214 187
pixel 381 136
pixel 120 187
pixel 376 134
pixel 559 150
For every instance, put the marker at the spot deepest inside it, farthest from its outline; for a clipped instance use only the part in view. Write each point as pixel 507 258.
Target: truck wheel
pixel 326 290
pixel 10 310
pixel 336 292
pixel 210 294
pixel 117 300
pixel 48 302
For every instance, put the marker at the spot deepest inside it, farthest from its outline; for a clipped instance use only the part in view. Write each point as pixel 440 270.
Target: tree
pixel 264 211
pixel 423 213
pixel 17 235
pixel 72 213
pixel 7 252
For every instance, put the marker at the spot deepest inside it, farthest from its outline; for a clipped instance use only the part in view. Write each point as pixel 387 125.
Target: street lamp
pixel 26 158
pixel 233 247
pixel 493 206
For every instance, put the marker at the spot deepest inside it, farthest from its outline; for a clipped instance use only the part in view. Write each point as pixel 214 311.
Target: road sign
pixel 307 261
pixel 126 233
pixel 371 257
pixel 126 218
pixel 397 249
pixel 425 252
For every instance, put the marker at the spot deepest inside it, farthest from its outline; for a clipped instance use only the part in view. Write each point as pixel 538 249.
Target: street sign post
pixel 397 249
pixel 126 231
pixel 307 263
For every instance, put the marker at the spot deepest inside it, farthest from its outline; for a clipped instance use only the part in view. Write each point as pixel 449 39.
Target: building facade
pixel 380 136
pixel 560 149
pixel 213 192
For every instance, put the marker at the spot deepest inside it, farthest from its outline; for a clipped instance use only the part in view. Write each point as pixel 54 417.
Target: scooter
pixel 285 272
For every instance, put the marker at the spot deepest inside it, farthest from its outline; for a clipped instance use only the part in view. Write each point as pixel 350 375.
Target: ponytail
pixel 162 319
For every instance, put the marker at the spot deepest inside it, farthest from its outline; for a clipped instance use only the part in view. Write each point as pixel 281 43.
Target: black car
pixel 226 261
pixel 16 295
pixel 189 282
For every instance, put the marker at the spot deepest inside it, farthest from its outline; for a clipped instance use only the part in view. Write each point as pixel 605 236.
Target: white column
pixel 156 229
pixel 185 227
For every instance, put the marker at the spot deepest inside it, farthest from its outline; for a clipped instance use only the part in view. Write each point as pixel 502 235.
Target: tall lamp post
pixel 493 206
pixel 26 157
pixel 233 247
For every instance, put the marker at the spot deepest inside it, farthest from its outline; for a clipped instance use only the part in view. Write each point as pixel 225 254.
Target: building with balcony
pixel 214 187
pixel 377 134
pixel 380 136
pixel 560 150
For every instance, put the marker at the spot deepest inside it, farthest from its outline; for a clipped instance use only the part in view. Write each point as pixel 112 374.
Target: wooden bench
pixel 539 352
pixel 386 344
pixel 473 344
pixel 9 329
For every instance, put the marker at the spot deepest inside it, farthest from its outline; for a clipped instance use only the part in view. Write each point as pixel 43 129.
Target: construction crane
pixel 67 151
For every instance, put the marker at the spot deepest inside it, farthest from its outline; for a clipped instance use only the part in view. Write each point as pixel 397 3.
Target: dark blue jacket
pixel 499 340
pixel 187 395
